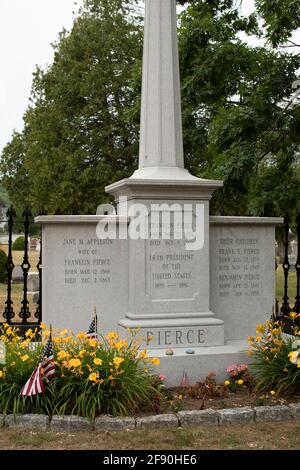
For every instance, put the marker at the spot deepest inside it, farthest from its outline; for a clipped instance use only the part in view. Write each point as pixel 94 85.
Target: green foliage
pixel 92 378
pixel 78 134
pixel 3 266
pixel 275 359
pixel 281 18
pixel 19 244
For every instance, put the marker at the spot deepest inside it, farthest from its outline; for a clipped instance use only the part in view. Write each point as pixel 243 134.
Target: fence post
pixel 25 313
pixel 285 308
pixel 9 310
pixel 297 304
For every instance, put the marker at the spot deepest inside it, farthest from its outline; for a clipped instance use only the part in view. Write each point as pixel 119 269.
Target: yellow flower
pixel 64 332
pixel 258 339
pixel 285 369
pixel 293 357
pixel 112 335
pixel 260 329
pixel 155 361
pixel 117 361
pixel 28 334
pixel 240 382
pixel 25 358
pixel 93 377
pixel 227 382
pixel 75 363
pixel 25 343
pixel 81 335
pixel 9 331
pixel 62 355
pixel 143 354
pixel 92 343
pixel 46 334
pixel 293 315
pixel 273 392
pixel 1 374
pixel 82 353
pixel 250 339
pixel 43 326
pixel 98 362
pixel 180 397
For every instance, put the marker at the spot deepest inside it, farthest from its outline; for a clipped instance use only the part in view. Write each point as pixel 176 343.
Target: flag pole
pixel 96 321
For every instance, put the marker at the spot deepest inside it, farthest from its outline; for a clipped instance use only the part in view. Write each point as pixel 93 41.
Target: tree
pixel 241 123
pixel 78 135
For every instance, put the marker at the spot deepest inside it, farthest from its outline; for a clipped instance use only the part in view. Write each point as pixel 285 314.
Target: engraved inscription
pixel 238 267
pixel 170 269
pixel 86 262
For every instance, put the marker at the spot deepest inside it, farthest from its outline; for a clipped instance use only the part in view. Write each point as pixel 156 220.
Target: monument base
pixel 197 366
pixel 195 331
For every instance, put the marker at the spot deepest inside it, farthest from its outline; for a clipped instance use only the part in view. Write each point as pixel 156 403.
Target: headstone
pixel 17 275
pixel 33 282
pixel 33 242
pixel 293 255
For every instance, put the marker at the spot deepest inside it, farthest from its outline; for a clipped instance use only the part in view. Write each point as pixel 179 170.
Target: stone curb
pixel 184 419
pixel 28 421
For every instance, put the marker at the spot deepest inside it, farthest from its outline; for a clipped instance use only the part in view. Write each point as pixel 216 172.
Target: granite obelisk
pixel 168 285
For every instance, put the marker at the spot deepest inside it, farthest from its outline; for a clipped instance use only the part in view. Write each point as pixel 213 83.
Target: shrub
pixel 239 377
pixel 207 389
pixel 112 377
pixel 3 266
pixel 276 357
pixel 19 244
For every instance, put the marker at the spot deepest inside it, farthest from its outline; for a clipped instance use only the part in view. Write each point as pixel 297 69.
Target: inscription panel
pixel 170 270
pixel 238 267
pixel 81 272
pixel 242 264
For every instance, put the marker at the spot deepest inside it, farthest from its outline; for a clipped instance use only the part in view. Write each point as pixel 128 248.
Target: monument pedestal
pixel 169 270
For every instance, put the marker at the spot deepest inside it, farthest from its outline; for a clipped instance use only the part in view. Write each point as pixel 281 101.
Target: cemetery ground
pixel 259 436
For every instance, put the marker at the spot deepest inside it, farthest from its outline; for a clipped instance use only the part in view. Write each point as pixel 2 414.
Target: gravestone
pixel 195 300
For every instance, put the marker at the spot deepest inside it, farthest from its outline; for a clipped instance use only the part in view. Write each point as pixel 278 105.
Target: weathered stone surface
pixel 272 413
pixel 295 410
pixel 108 423
pixel 2 422
pixel 189 419
pixel 36 298
pixel 70 424
pixel 236 415
pixel 28 421
pixel 166 421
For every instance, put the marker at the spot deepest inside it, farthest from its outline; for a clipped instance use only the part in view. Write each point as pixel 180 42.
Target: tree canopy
pixel 241 116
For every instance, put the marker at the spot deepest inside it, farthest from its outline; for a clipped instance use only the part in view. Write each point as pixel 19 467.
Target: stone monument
pixel 168 286
pixel 196 285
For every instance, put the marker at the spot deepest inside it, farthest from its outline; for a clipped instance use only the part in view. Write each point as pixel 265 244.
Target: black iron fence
pixel 291 274
pixel 27 316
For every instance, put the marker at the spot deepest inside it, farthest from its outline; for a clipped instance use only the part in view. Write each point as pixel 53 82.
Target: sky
pixel 27 30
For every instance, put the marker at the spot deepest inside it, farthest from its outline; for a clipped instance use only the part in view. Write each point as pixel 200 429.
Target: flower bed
pixel 92 377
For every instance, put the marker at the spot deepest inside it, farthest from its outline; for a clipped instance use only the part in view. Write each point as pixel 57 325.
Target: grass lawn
pixel 280 285
pixel 259 436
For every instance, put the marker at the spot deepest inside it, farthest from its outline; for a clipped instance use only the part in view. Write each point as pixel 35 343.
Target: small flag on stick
pixel 45 368
pixel 93 329
pixel 184 381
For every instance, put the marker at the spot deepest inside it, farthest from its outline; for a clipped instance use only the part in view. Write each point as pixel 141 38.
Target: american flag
pixel 45 368
pixel 184 381
pixel 92 331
